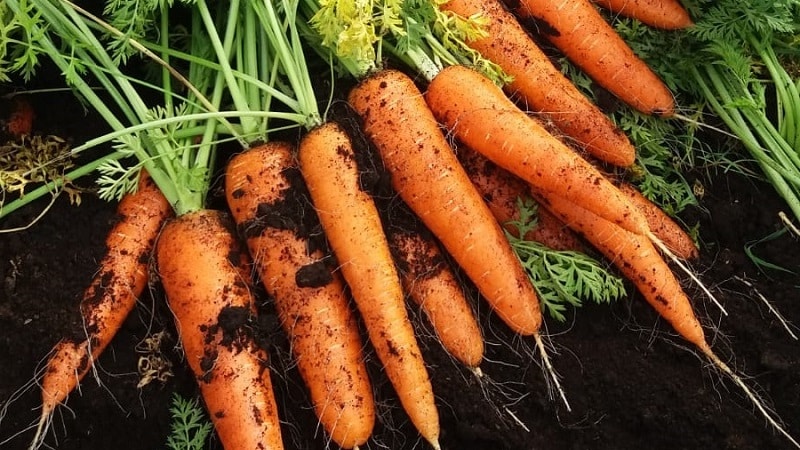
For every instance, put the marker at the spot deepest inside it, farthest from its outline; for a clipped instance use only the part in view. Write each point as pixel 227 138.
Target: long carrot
pixel 265 201
pixel 484 119
pixel 581 33
pixel 639 260
pixel 352 224
pixel 206 277
pixel 431 284
pixel 426 174
pixel 121 278
pixel 664 14
pixel 501 191
pixel 541 85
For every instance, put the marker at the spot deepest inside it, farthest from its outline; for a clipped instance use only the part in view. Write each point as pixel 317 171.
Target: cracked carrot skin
pixel 310 300
pixel 353 227
pixel 582 34
pixel 426 174
pixel 541 86
pixel 488 122
pixel 206 277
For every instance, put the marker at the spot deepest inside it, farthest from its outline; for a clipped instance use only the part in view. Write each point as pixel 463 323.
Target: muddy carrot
pixel 353 227
pixel 112 294
pixel 206 277
pixel 266 196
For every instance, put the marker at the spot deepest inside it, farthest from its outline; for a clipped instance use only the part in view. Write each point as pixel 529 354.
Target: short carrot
pixel 206 277
pixel 353 227
pixel 583 35
pixel 541 86
pixel 484 119
pixel 663 226
pixel 432 285
pixel 110 297
pixel 20 121
pixel 502 191
pixel 664 14
pixel 266 197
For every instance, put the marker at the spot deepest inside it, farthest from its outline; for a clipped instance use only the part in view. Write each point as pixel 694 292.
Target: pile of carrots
pixel 452 150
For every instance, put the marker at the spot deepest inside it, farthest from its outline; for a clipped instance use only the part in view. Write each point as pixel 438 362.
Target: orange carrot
pixel 20 122
pixel 578 30
pixel 426 173
pixel 662 225
pixel 541 85
pixel 262 191
pixel 110 297
pixel 637 258
pixel 352 224
pixel 484 119
pixel 206 277
pixel 664 14
pixel 502 191
pixel 431 284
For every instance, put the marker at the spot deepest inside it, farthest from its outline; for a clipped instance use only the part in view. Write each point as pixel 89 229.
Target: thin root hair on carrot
pixel 687 270
pixel 759 403
pixel 550 375
pixel 502 397
pixel 788 326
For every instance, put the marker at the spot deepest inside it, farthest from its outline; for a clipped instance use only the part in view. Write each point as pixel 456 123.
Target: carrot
pixel 426 174
pixel 20 121
pixel 578 30
pixel 663 226
pixel 502 191
pixel 110 297
pixel 206 277
pixel 639 260
pixel 484 119
pixel 431 284
pixel 541 85
pixel 352 224
pixel 664 14
pixel 266 203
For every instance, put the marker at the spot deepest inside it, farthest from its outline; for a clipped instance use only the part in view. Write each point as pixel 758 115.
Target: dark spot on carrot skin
pixel 237 193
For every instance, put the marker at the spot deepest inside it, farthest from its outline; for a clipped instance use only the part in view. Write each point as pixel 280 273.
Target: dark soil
pixel 630 382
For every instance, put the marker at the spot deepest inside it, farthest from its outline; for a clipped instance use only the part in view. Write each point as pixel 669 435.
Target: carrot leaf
pixel 190 429
pixel 562 278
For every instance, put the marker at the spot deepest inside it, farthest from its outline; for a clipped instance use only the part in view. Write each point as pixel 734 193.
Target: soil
pixel 630 382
